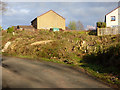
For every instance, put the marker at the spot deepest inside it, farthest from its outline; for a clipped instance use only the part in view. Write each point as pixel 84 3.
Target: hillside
pixel 98 55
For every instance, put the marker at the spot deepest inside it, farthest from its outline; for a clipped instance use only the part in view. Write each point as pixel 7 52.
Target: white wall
pixel 110 23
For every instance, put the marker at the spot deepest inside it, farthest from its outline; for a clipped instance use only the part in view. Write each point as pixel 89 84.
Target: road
pixel 24 73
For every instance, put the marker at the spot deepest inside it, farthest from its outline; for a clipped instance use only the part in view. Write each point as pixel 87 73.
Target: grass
pixel 68 49
pixel 36 58
pixel 99 72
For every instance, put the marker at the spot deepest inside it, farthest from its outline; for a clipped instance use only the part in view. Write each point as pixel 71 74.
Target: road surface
pixel 24 73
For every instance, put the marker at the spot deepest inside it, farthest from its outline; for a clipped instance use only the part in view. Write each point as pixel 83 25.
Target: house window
pixel 112 18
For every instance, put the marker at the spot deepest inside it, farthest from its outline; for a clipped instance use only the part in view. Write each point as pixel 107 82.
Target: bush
pixel 101 24
pixel 92 32
pixel 106 57
pixel 10 29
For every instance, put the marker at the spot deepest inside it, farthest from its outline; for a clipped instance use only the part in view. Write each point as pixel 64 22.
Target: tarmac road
pixel 24 73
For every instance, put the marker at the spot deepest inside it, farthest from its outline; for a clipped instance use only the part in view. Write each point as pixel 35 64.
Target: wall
pixel 108 31
pixel 110 23
pixel 50 20
pixel 34 23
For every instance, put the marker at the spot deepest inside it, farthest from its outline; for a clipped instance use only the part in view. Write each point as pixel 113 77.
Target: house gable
pixel 50 11
pixel 49 20
pixel 112 18
pixel 112 11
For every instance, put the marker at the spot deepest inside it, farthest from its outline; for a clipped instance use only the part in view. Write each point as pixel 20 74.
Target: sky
pixel 22 13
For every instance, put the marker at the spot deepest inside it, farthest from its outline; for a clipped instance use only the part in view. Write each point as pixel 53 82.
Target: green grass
pixel 67 46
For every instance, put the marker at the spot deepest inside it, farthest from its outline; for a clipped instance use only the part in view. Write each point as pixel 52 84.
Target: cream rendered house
pixel 112 19
pixel 49 20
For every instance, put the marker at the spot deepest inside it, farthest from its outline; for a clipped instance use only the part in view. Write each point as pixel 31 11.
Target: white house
pixel 112 19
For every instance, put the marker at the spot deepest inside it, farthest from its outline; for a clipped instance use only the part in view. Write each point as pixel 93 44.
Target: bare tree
pixel 3 6
pixel 79 25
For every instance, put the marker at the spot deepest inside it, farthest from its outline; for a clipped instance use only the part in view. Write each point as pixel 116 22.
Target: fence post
pixel 97 31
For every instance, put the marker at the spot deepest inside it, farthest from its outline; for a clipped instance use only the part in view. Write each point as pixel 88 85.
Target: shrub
pixel 92 32
pixel 106 57
pixel 101 24
pixel 10 29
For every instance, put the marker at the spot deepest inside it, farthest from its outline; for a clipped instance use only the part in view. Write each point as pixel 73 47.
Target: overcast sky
pixel 22 13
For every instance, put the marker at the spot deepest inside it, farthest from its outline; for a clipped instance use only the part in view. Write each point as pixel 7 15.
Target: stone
pixel 13 33
pixel 6 46
pixel 83 43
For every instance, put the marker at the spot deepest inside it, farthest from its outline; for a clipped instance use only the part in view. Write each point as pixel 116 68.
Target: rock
pixel 13 33
pixel 6 46
pixel 83 43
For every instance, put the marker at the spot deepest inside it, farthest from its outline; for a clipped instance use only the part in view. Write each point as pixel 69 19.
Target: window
pixel 112 18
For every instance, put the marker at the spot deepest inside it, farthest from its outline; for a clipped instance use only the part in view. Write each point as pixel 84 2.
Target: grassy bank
pixel 99 56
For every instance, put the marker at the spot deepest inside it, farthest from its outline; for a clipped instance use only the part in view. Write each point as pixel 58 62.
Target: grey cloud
pixel 87 12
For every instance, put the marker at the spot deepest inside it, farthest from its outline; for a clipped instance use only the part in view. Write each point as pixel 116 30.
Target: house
pixel 49 20
pixel 24 27
pixel 112 19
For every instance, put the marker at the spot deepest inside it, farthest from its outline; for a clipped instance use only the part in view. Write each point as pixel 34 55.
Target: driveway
pixel 25 73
